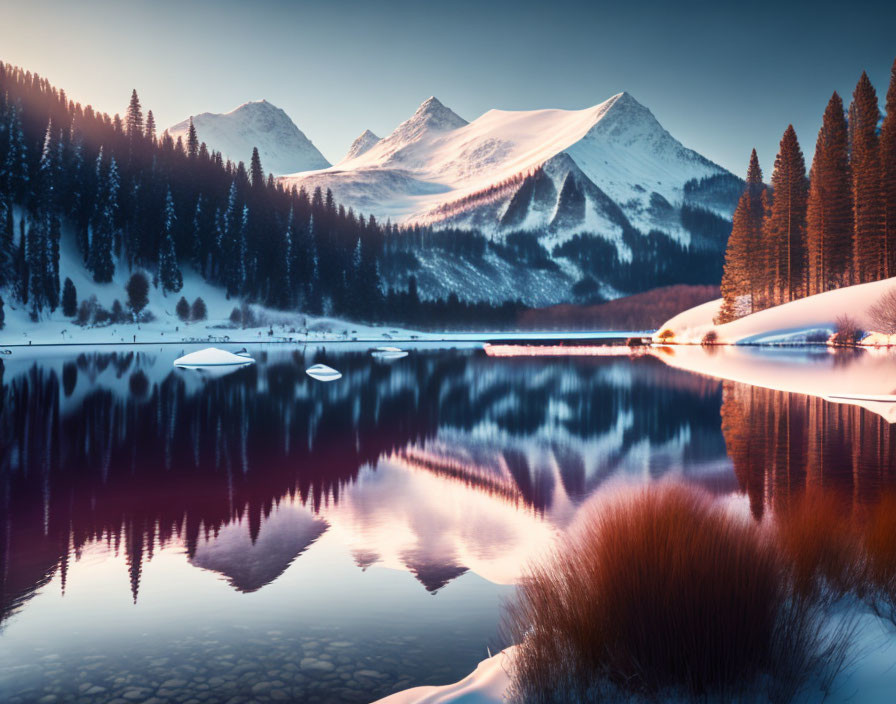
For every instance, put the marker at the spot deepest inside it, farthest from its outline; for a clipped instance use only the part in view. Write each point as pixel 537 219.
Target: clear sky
pixel 722 78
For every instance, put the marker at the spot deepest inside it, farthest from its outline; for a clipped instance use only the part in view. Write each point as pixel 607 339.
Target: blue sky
pixel 722 78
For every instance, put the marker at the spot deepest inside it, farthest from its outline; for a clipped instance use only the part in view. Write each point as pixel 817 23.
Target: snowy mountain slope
pixel 282 146
pixel 361 145
pixel 618 151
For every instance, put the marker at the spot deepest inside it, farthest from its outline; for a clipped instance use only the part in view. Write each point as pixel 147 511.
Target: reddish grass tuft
pixel 880 556
pixel 662 593
pixel 818 539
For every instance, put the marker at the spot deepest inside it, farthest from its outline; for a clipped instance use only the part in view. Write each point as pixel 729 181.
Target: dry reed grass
pixel 662 594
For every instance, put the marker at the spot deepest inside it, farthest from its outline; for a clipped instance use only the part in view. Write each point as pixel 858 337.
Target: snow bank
pixel 212 357
pixel 789 322
pixel 485 685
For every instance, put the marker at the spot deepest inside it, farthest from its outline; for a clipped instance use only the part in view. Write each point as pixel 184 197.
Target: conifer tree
pixel 137 289
pixel 196 258
pixel 169 271
pixel 134 118
pixel 182 309
pixel 829 228
pixel 198 311
pixel 99 260
pixel 888 174
pixel 192 141
pixel 2 314
pixel 150 127
pixel 256 173
pixel 741 280
pixel 785 227
pixel 869 245
pixel 69 299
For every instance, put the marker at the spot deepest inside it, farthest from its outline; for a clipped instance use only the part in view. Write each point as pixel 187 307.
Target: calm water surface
pixel 169 535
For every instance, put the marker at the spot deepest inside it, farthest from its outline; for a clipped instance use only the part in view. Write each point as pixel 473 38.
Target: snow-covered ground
pixel 790 322
pixel 487 684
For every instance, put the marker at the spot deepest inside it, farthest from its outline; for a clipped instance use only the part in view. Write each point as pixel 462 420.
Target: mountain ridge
pixel 282 146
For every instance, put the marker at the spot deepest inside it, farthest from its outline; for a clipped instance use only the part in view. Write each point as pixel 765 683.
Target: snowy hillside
pixel 558 171
pixel 282 146
pixel 813 316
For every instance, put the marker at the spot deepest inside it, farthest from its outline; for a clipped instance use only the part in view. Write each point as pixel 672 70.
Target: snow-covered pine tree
pixel 169 272
pixel 46 211
pixel 285 286
pixel 196 237
pixel 99 260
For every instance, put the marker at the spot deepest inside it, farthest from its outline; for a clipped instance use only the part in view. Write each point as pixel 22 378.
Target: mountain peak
pixel 361 145
pixel 283 147
pixel 433 113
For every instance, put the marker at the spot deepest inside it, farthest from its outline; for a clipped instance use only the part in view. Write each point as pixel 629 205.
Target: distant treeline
pixel 803 236
pixel 641 311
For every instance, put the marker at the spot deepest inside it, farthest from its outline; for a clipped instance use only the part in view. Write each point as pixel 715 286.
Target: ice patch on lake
pixel 212 357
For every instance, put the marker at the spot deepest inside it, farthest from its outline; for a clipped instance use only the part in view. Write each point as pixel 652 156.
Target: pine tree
pixel 134 118
pixel 785 227
pixel 99 260
pixel 198 311
pixel 888 174
pixel 47 212
pixel 196 256
pixel 2 315
pixel 169 272
pixel 69 299
pixel 829 228
pixel 285 293
pixel 869 246
pixel 137 289
pixel 256 173
pixel 741 280
pixel 192 141
pixel 182 309
pixel 151 127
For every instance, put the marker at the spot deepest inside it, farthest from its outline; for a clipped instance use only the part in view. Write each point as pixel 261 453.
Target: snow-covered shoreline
pixel 793 322
pixel 487 684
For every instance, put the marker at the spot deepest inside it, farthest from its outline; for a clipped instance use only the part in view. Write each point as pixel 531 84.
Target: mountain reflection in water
pixel 446 467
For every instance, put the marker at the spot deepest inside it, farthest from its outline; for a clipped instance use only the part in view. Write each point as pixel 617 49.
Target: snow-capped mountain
pixel 362 144
pixel 282 146
pixel 559 171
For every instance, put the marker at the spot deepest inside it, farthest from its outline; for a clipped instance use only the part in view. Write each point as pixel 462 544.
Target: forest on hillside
pixel 803 235
pixel 135 199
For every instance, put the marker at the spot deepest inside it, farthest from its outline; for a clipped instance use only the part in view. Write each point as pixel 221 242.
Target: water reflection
pixel 369 525
pixel 783 443
pixel 121 448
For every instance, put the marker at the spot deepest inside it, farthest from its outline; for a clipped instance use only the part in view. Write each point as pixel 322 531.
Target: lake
pixel 170 535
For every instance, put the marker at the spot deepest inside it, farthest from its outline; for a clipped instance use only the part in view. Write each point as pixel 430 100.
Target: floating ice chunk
pixel 389 353
pixel 212 357
pixel 321 372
